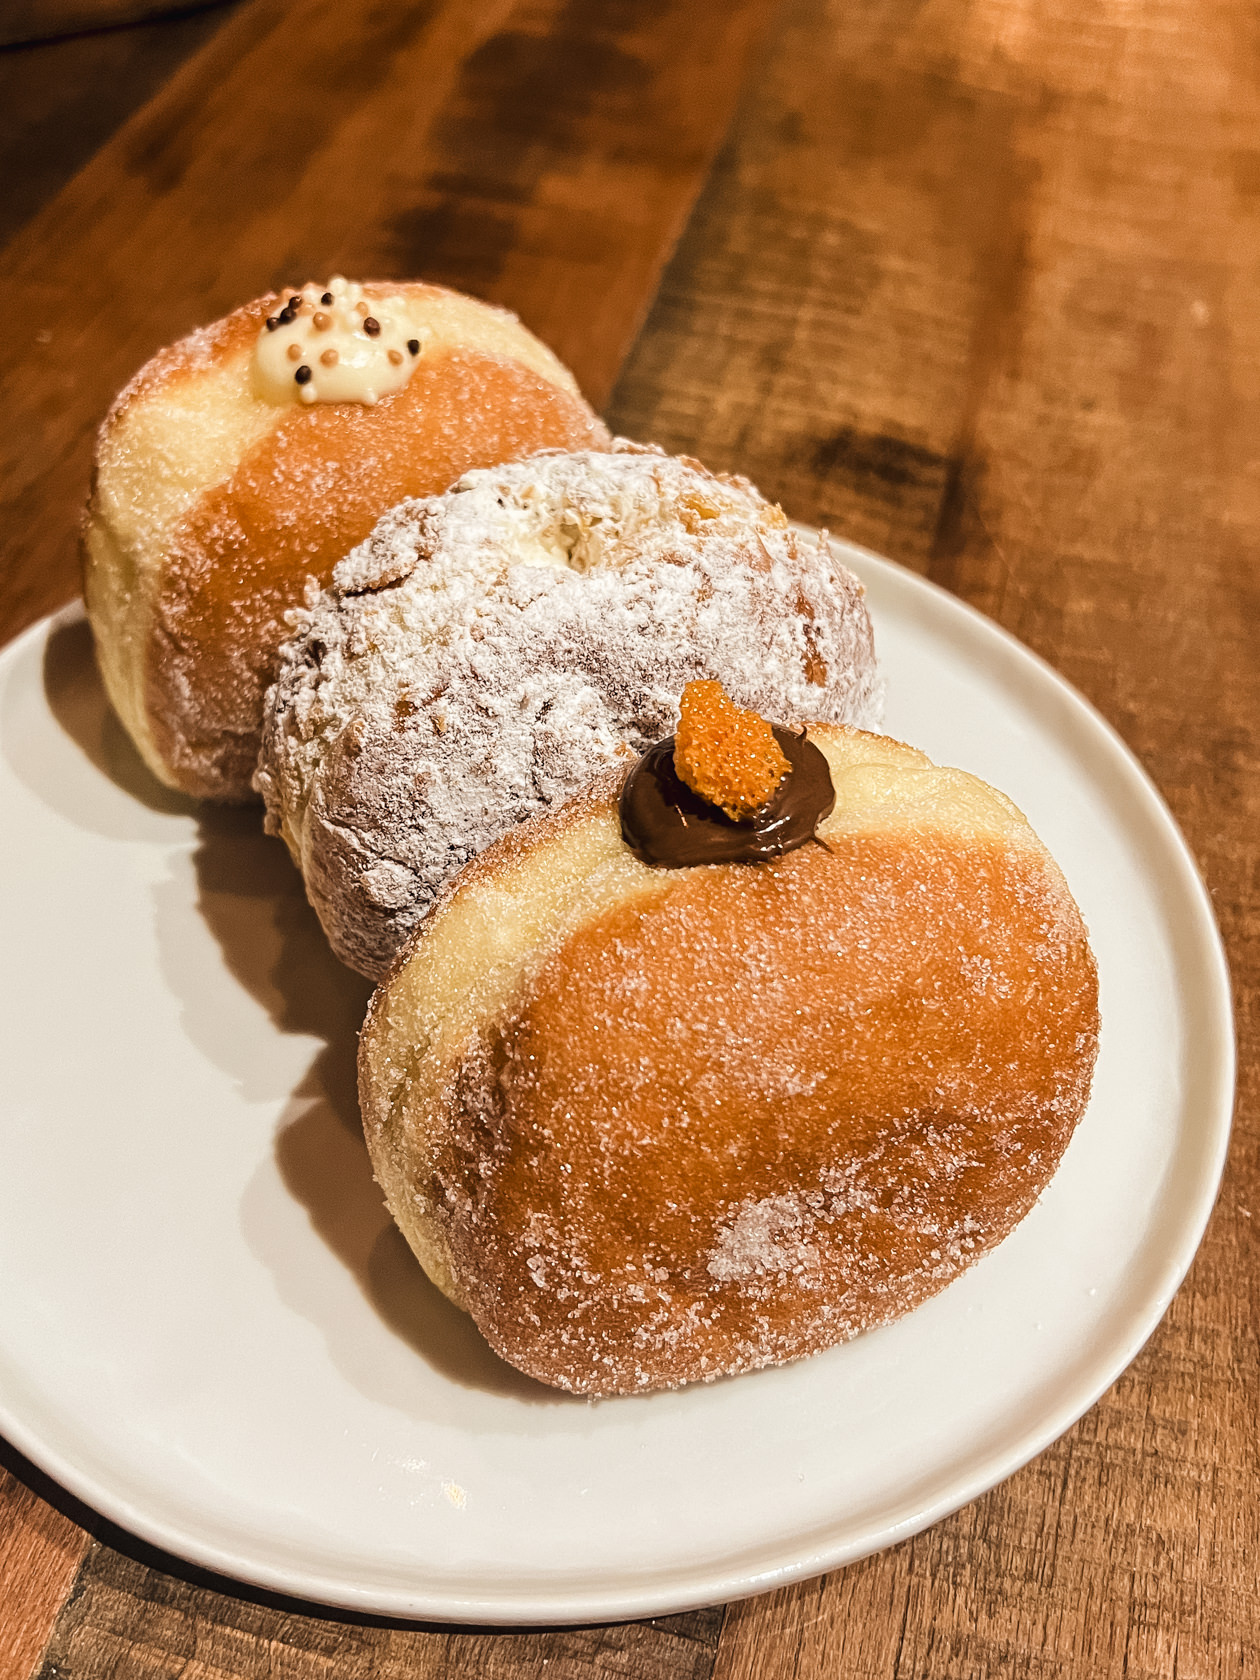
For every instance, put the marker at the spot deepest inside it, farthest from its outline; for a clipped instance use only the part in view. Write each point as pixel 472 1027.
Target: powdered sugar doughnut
pixel 486 652
pixel 255 454
pixel 654 1125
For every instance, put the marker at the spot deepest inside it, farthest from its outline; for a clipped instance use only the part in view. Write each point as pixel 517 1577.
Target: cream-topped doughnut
pixel 334 344
pixel 653 1125
pixel 254 455
pixel 488 651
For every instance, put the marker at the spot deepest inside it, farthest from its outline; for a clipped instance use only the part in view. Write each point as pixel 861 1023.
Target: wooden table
pixel 974 282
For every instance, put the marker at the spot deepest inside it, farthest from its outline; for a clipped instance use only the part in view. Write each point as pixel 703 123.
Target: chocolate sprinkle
pixel 273 321
pixel 664 822
pixel 303 374
pixel 371 325
pixel 327 298
pixel 413 344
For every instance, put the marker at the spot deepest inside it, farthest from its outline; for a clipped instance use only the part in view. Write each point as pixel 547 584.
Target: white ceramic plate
pixel 210 1331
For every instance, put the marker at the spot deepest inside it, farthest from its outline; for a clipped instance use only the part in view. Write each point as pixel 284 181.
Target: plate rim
pixel 748 1574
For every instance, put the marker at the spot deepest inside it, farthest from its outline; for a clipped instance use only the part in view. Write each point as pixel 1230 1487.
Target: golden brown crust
pixel 735 1114
pixel 298 503
pixel 189 605
pixel 838 1139
pixel 178 363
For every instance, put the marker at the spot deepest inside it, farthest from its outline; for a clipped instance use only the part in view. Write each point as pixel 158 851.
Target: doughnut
pixel 652 1122
pixel 258 452
pixel 488 651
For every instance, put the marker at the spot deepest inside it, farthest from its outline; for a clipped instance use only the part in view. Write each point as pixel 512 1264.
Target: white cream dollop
pixel 331 344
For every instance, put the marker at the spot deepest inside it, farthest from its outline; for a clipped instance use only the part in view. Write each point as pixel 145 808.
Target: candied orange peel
pixel 728 756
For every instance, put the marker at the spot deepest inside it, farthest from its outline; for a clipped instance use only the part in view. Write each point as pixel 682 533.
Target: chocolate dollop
pixel 664 822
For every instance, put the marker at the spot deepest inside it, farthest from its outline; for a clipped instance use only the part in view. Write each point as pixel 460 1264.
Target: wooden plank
pixel 26 21
pixel 61 101
pixel 973 282
pixel 542 153
pixel 40 1552
pixel 134 1622
pixel 821 325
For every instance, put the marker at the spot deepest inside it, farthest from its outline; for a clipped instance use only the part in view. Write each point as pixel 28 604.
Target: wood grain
pixel 543 153
pixel 971 283
pixel 61 101
pixel 25 21
pixel 135 1622
pixel 40 1551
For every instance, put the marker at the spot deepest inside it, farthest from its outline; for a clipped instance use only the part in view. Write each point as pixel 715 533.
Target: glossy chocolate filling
pixel 664 822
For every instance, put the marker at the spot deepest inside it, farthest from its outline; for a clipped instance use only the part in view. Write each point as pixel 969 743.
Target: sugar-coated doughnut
pixel 654 1125
pixel 255 454
pixel 489 650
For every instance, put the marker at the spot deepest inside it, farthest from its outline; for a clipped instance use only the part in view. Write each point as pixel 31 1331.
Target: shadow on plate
pixel 251 898
pixel 76 698
pixel 324 1164
pixel 56 764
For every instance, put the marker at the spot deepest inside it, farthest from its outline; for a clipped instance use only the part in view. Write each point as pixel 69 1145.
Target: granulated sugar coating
pixel 654 1126
pixel 487 652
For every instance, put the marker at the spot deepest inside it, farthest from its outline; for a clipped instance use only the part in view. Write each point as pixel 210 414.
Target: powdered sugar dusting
pixel 199 352
pixel 487 652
